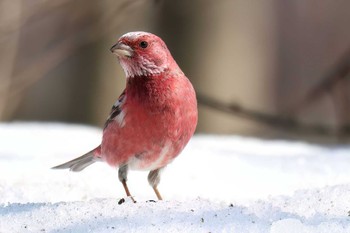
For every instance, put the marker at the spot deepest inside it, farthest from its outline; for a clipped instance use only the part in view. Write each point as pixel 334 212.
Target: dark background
pixel 275 68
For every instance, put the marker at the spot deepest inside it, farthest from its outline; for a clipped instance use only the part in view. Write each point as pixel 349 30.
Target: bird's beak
pixel 122 50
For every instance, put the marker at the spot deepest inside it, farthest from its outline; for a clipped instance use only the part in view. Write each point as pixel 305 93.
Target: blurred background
pixel 274 68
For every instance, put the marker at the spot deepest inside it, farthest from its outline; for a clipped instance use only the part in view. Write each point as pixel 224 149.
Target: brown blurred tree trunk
pixel 10 15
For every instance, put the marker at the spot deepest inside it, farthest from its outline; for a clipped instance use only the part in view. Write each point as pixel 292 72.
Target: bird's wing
pixel 116 111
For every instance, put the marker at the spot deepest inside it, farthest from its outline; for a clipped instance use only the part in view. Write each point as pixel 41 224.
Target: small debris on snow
pixel 121 201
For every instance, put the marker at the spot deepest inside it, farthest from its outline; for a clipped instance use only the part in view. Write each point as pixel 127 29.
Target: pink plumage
pixel 154 117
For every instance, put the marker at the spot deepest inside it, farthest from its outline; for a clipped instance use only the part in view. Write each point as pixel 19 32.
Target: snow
pixel 217 184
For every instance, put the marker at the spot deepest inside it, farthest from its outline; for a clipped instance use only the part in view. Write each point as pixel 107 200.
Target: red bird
pixel 154 117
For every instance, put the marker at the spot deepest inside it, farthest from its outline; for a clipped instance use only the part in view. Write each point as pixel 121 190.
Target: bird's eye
pixel 143 44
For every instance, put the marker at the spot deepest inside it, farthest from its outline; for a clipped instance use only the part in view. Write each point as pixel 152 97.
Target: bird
pixel 154 117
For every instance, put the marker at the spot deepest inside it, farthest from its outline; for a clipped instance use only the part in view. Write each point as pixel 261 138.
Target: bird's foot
pixel 133 200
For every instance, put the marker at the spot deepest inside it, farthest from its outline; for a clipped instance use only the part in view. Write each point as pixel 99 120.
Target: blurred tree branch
pixel 339 72
pixel 64 30
pixel 275 121
pixel 26 76
pixel 330 83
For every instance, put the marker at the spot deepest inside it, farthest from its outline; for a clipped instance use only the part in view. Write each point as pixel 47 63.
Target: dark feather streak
pixel 115 111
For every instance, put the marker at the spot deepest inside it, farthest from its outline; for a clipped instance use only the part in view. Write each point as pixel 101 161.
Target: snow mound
pixel 218 184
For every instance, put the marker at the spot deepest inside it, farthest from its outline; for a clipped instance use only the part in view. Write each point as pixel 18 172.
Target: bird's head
pixel 142 54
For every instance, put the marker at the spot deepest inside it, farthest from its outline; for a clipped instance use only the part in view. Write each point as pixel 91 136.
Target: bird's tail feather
pixel 78 164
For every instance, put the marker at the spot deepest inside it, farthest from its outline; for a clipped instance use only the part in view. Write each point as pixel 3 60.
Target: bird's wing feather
pixel 116 109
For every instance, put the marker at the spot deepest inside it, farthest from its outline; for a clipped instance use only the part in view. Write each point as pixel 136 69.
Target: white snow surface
pixel 217 184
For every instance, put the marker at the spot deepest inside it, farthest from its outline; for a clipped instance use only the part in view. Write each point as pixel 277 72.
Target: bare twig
pixel 275 121
pixel 36 69
pixel 337 73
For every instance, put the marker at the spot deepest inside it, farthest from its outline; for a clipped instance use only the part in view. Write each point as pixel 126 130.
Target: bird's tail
pixel 78 164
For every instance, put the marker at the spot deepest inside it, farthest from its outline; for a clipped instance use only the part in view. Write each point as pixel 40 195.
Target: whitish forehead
pixel 134 35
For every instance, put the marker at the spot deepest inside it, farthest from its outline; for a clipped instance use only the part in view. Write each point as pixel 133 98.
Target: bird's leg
pixel 123 174
pixel 157 193
pixel 153 180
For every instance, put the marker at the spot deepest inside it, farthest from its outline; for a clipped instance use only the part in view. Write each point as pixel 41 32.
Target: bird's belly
pixel 152 159
pixel 144 152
